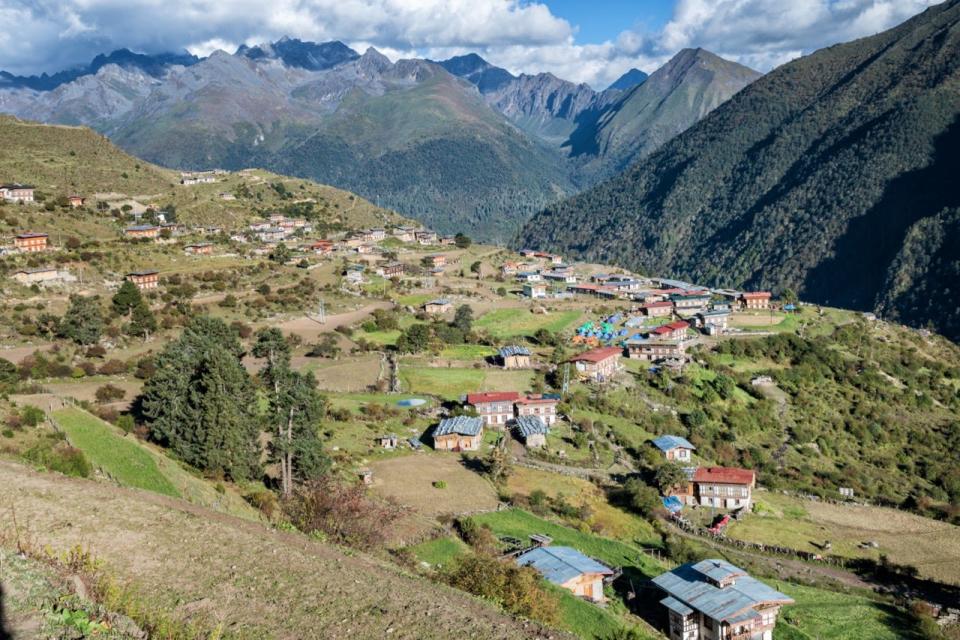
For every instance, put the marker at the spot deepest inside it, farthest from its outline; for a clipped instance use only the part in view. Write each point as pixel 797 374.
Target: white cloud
pixel 521 35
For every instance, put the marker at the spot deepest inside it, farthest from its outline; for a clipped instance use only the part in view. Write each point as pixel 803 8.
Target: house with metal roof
pixel 570 569
pixel 674 448
pixel 532 430
pixel 460 433
pixel 724 487
pixel 495 408
pixel 514 357
pixel 438 306
pixel 714 600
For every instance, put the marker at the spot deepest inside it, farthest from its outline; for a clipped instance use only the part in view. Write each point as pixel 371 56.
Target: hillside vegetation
pixel 66 160
pixel 831 175
pixel 247 580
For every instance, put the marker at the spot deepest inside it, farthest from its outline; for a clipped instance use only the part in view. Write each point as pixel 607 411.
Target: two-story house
pixel 495 408
pixel 715 600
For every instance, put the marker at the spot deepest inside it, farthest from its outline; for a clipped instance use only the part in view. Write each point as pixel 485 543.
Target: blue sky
pixel 605 19
pixel 592 41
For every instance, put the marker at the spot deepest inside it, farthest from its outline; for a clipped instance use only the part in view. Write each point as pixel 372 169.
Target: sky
pixel 592 41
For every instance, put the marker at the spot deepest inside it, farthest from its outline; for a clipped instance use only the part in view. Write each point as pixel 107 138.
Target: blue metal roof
pixel 438 301
pixel 672 504
pixel 463 425
pixel 530 425
pixel 561 564
pixel 513 350
pixel 676 606
pixel 694 585
pixel 666 443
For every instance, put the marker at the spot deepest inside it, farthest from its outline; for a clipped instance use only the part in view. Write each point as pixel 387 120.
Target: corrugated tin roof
pixel 691 585
pixel 666 443
pixel 463 425
pixel 513 350
pixel 531 425
pixel 561 564
pixel 492 396
pixel 676 606
pixel 724 475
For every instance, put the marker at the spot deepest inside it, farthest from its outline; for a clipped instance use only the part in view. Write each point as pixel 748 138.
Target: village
pixel 440 356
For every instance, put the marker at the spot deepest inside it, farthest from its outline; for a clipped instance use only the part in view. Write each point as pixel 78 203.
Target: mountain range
pixel 460 144
pixel 833 175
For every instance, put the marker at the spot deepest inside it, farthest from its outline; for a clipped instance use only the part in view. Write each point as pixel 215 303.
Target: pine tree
pixel 83 320
pixel 295 411
pixel 126 298
pixel 200 401
pixel 142 321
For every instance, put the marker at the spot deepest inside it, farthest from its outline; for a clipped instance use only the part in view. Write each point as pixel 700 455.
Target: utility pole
pixel 566 378
pixel 321 313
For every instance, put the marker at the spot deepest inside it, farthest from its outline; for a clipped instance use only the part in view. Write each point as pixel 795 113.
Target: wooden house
pixel 690 300
pixel 435 260
pixel 674 448
pixel 426 237
pixel 660 309
pixel 514 357
pixel 145 279
pixel 41 275
pixel 531 430
pixel 534 290
pixel 15 192
pixel 754 300
pixel 715 600
pixel 322 247
pixel 724 487
pixel 542 406
pixel 671 331
pixel 569 569
pixel 390 441
pixel 142 231
pixel 437 307
pixel 31 242
pixel 199 249
pixel 655 350
pixel 598 364
pixel 391 270
pixel 495 408
pixel 460 433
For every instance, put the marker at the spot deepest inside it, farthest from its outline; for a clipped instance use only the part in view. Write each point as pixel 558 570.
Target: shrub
pixel 439 484
pixel 518 589
pixel 109 393
pixel 344 512
pixel 60 457
pixel 113 367
pixel 31 415
pixel 126 423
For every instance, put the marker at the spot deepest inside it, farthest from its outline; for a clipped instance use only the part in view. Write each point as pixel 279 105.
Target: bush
pixel 518 589
pixel 31 415
pixel 343 512
pixel 126 423
pixel 113 368
pixel 60 457
pixel 439 484
pixel 109 393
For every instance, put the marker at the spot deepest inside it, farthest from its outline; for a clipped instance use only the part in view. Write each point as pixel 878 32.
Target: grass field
pixel 439 552
pixel 520 524
pixel 450 383
pixel 507 323
pixel 474 352
pixel 932 547
pixel 609 520
pixel 828 615
pixel 410 480
pixel 121 458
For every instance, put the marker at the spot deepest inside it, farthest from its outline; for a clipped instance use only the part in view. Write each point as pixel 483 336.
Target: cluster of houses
pixel 716 487
pixel 278 228
pixel 530 416
pixel 188 178
pixel 706 600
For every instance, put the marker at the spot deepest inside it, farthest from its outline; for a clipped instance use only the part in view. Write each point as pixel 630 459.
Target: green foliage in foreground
pixel 122 459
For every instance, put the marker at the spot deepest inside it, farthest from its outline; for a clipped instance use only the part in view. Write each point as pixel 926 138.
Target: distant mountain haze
pixel 833 175
pixel 460 144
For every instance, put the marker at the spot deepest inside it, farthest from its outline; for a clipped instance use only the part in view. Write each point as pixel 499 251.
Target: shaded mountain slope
pixel 814 177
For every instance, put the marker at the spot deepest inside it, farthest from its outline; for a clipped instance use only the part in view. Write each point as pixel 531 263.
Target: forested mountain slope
pixel 832 174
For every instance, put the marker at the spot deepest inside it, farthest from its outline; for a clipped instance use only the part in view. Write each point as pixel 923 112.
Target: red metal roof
pixel 492 396
pixel 680 325
pixel 32 235
pixel 658 305
pixel 724 475
pixel 755 294
pixel 597 355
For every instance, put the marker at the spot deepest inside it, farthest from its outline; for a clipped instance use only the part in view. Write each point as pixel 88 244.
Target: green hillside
pixel 436 152
pixel 61 161
pixel 831 175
